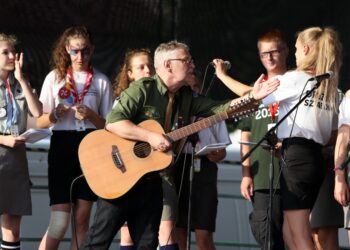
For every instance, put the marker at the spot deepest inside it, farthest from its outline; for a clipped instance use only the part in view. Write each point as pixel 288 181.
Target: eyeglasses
pixel 272 53
pixel 84 51
pixel 186 60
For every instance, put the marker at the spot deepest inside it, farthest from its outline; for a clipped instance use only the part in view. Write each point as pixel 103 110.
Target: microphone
pixel 319 78
pixel 226 63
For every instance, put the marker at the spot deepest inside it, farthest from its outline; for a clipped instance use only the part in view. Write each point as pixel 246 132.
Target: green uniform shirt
pixel 147 99
pixel 260 158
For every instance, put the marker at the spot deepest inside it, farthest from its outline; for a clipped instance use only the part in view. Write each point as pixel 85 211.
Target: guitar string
pixel 144 145
pixel 139 148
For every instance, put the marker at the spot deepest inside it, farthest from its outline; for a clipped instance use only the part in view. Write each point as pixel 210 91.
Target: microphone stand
pixel 272 140
pixel 193 139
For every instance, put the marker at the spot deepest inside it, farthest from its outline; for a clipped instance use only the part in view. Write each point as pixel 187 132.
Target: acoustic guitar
pixel 112 165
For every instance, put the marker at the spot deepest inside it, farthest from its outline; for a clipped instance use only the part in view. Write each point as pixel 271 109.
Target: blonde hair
pixel 325 52
pixel 167 50
pixel 8 38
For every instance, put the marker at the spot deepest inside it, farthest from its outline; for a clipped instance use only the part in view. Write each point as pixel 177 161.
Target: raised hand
pixel 262 88
pixel 220 67
pixel 18 68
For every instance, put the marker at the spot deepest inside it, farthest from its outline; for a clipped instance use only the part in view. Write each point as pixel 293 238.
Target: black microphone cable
pixel 74 230
pixel 204 79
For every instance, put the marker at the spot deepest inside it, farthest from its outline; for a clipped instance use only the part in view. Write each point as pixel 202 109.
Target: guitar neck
pixel 197 126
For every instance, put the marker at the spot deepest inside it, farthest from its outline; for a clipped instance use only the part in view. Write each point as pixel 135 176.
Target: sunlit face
pixel 181 64
pixel 7 56
pixel 80 53
pixel 300 52
pixel 140 66
pixel 273 56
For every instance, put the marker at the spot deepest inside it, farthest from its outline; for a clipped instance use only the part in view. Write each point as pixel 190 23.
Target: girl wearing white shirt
pixel 341 188
pixel 307 129
pixel 76 99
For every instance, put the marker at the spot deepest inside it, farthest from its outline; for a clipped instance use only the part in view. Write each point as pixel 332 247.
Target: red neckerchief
pixel 73 88
pixel 273 108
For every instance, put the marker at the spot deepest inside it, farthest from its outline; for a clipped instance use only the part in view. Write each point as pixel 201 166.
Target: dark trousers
pixel 141 208
pixel 259 222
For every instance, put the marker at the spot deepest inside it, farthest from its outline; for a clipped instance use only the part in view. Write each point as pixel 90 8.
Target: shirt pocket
pixel 150 112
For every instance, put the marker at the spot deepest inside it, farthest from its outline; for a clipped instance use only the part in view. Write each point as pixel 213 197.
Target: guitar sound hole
pixel 142 149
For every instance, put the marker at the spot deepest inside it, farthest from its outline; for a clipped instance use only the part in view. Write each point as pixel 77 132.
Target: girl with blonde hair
pixel 307 129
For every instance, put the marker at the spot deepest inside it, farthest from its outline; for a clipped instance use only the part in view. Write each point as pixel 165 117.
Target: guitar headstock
pixel 243 107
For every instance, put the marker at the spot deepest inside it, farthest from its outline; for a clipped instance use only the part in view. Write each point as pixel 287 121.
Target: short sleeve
pixel 245 124
pixel 344 112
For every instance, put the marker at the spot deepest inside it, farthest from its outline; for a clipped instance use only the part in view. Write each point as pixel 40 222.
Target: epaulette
pixel 148 80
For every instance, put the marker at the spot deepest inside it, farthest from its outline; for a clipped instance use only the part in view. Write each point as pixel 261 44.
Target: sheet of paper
pixel 211 147
pixel 34 135
pixel 253 143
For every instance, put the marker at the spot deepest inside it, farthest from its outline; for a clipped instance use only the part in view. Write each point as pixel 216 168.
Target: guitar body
pixel 112 165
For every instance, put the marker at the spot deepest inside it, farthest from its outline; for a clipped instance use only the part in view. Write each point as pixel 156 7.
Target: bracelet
pixel 250 95
pixel 252 98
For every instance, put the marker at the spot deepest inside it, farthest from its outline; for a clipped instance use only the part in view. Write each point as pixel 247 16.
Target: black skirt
pixel 303 171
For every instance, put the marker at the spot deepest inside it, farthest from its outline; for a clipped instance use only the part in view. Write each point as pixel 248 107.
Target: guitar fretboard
pixel 242 107
pixel 197 126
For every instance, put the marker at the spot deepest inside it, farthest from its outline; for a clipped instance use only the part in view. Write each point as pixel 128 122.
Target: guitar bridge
pixel 117 159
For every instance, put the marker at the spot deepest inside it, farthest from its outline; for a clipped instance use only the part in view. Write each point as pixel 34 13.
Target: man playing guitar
pixel 144 100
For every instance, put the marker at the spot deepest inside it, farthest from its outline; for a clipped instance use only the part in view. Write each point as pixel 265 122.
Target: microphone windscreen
pixel 228 65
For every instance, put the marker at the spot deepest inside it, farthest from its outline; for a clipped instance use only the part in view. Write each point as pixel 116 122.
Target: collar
pixel 163 90
pixel 2 84
pixel 11 80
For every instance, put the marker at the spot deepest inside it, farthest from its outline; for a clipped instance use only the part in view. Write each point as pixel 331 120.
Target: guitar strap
pixel 182 118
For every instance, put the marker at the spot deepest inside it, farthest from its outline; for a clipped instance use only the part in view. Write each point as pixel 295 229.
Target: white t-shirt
pixel 344 112
pixel 214 134
pixel 98 98
pixel 313 120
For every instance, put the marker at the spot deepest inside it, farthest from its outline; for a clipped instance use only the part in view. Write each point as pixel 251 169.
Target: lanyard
pixel 11 107
pixel 273 108
pixel 79 98
pixel 9 95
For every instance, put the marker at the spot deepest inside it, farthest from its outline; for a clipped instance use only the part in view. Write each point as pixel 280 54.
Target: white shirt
pixel 214 134
pixel 313 120
pixel 98 98
pixel 344 113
